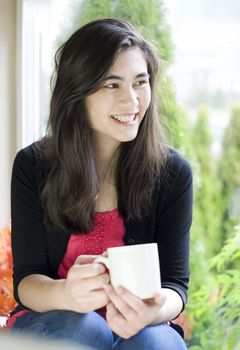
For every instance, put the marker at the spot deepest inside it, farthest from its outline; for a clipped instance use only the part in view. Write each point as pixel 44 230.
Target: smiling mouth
pixel 128 118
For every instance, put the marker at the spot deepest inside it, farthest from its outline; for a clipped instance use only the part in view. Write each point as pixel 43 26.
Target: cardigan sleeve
pixel 29 245
pixel 173 226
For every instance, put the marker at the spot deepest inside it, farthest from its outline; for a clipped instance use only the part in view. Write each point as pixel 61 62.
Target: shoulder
pixel 25 157
pixel 178 169
pixel 33 155
pixel 174 193
pixel 29 163
pixel 176 176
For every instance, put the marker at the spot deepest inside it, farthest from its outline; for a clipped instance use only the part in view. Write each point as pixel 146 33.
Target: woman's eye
pixel 141 82
pixel 111 86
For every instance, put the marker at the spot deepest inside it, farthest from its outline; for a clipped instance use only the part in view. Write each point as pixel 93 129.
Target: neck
pixel 106 156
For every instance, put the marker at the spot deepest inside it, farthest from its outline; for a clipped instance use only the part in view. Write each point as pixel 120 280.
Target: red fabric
pixel 12 319
pixel 108 231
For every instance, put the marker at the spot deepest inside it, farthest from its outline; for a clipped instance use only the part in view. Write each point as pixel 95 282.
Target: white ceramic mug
pixel 134 267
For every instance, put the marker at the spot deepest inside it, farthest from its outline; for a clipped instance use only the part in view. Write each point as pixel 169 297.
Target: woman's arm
pixel 82 290
pixel 127 314
pixel 173 227
pixel 33 276
pixel 41 293
pixel 171 307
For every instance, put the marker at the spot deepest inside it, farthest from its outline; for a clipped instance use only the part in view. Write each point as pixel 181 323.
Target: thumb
pixel 104 253
pixel 159 299
pixel 85 259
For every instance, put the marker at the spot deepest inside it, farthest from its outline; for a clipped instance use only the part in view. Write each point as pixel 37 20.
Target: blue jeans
pixel 92 330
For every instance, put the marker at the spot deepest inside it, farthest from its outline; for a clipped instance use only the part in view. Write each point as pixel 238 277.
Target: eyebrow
pixel 117 77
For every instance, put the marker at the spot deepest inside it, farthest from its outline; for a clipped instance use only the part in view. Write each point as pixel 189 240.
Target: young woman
pixel 101 177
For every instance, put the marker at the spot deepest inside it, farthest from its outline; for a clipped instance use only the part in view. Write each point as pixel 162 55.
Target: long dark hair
pixel 72 181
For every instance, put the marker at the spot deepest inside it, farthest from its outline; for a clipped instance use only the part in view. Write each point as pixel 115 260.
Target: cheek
pixel 92 107
pixel 146 99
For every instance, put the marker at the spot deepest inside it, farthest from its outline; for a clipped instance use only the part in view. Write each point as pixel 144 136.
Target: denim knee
pixel 159 337
pixel 88 329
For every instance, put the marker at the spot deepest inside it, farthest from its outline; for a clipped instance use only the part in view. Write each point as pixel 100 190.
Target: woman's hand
pixel 127 314
pixel 84 284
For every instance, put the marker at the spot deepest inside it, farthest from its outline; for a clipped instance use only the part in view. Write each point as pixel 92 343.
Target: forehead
pixel 130 60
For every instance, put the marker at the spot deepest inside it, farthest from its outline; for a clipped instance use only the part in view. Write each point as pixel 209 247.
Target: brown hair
pixel 72 182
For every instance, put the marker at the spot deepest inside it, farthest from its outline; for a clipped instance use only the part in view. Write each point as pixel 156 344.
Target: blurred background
pixel 199 104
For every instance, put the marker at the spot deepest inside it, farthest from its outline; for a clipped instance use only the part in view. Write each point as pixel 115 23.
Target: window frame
pixel 33 54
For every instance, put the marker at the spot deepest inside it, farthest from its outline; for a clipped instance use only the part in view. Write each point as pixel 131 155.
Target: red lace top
pixel 108 231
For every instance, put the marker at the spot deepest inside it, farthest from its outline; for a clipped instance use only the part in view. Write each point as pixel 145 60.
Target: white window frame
pixel 33 43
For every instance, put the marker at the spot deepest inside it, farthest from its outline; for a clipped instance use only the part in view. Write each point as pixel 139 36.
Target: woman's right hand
pixel 84 290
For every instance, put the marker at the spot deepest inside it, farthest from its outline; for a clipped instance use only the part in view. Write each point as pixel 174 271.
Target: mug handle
pixel 102 260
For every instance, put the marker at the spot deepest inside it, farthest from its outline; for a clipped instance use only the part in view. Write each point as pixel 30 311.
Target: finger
pixel 159 299
pixel 94 301
pixel 104 266
pixel 87 270
pixel 121 304
pixel 97 296
pixel 105 253
pixel 112 312
pixel 116 321
pixel 130 299
pixel 96 282
pixel 85 259
pixel 114 317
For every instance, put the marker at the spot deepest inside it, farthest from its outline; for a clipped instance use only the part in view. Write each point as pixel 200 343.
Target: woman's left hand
pixel 127 314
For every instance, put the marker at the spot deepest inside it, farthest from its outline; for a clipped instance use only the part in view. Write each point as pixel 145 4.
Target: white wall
pixel 7 103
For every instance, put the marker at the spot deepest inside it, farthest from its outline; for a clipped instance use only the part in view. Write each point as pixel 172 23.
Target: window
pixel 38 24
pixel 32 53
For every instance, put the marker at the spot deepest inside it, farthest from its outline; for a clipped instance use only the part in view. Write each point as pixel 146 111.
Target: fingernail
pixel 99 267
pixel 96 266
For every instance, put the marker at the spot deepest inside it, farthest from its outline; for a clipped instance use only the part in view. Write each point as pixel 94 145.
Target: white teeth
pixel 124 118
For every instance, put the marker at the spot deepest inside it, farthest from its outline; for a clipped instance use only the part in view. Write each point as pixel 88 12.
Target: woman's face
pixel 116 110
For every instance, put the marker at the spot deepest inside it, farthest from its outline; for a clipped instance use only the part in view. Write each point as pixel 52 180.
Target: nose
pixel 129 98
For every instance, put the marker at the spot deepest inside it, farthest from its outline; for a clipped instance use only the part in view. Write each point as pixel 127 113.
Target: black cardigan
pixel 37 250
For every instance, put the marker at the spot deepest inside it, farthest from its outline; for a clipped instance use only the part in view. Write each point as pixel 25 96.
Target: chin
pixel 128 139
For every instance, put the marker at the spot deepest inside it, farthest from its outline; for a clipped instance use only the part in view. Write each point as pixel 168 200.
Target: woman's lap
pixel 159 337
pixel 92 330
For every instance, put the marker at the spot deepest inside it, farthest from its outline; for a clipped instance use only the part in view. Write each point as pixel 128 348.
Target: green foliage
pixel 173 118
pixel 92 10
pixel 229 170
pixel 198 261
pixel 205 236
pixel 216 307
pixel 205 231
pixel 149 18
pixel 207 191
pixel 229 256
